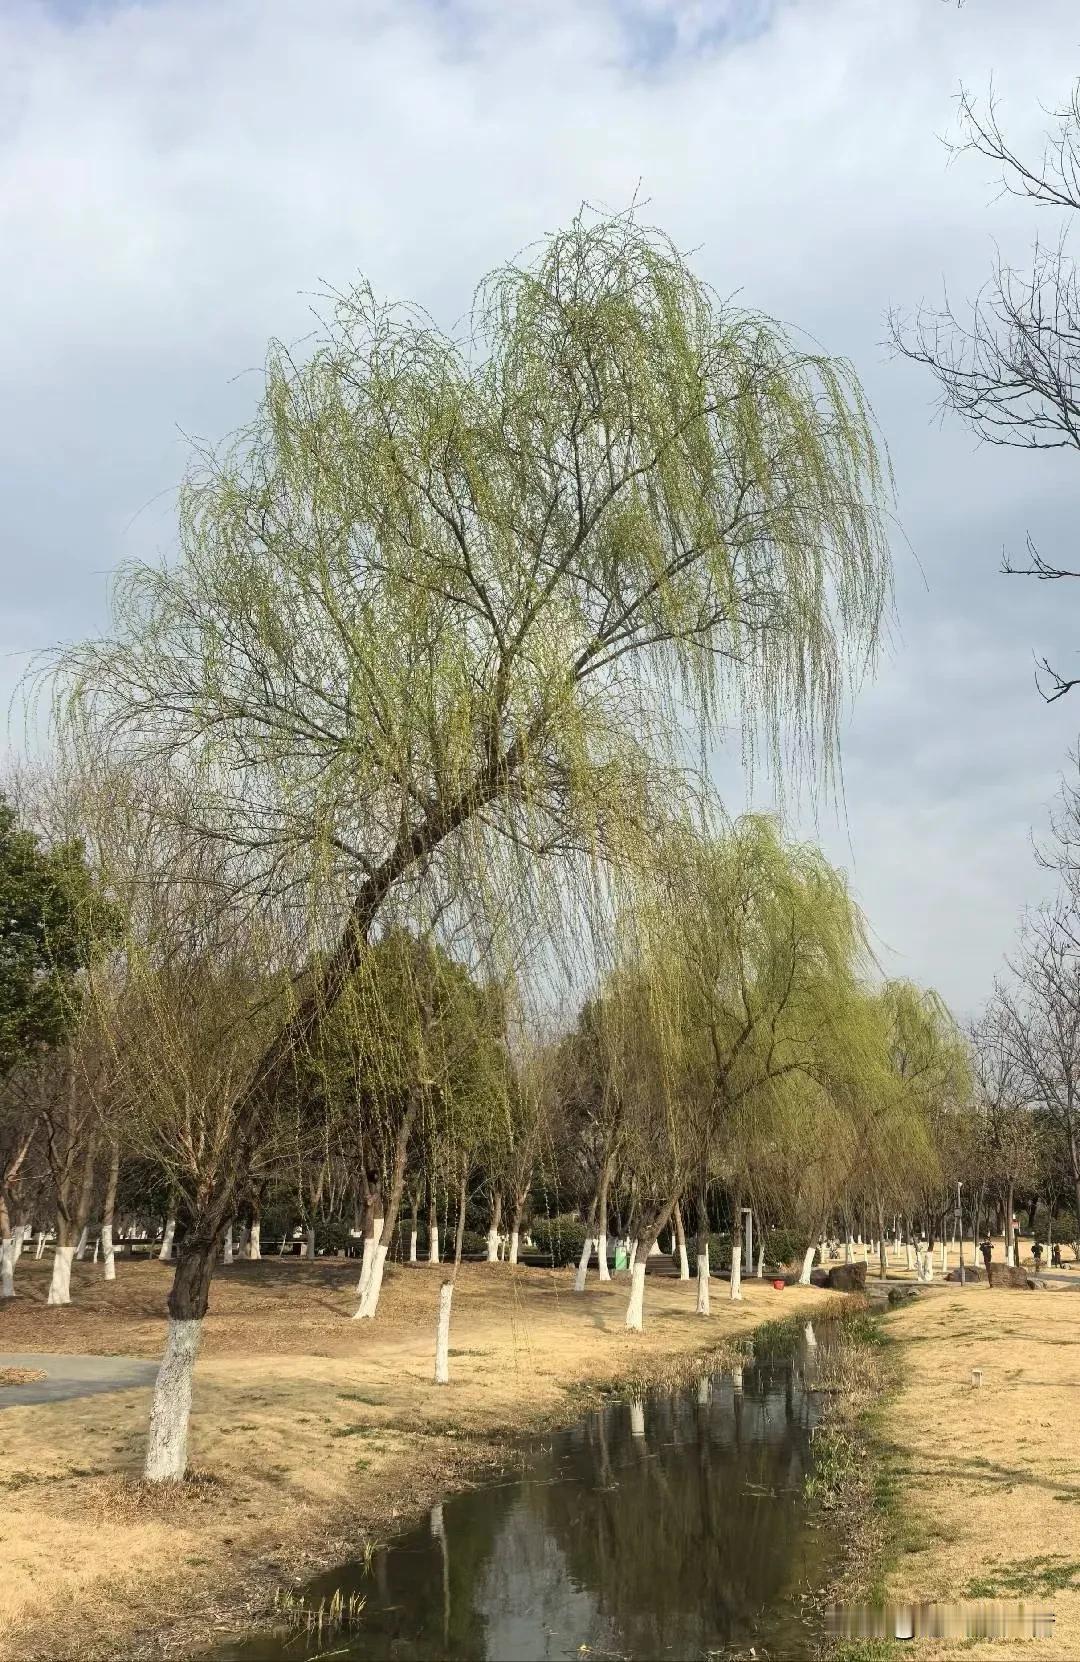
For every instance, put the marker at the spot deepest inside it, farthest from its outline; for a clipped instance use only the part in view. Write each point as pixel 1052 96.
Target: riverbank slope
pixel 310 1432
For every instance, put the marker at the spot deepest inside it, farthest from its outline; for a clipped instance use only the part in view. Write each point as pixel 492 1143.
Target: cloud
pixel 176 178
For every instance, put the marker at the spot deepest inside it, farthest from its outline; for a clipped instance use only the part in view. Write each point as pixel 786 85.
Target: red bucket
pixel 778 1286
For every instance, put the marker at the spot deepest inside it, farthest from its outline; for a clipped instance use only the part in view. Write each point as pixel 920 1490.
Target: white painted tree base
pixel 412 1246
pixel 170 1412
pixel 433 1246
pixel 369 1299
pixel 515 1242
pixel 108 1251
pixel 165 1255
pixel 635 1309
pixel 703 1283
pixel 7 1269
pixel 736 1272
pixel 255 1242
pixel 807 1266
pixel 601 1258
pixel 684 1263
pixel 583 1265
pixel 442 1334
pixel 60 1285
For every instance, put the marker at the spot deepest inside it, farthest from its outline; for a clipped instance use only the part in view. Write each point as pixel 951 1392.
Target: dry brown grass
pixel 989 1476
pixel 22 1376
pixel 309 1432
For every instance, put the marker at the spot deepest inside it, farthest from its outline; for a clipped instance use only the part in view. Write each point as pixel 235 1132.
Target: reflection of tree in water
pixel 704 1526
pixel 665 1543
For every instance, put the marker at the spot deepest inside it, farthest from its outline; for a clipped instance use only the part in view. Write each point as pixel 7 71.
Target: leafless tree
pixel 1008 364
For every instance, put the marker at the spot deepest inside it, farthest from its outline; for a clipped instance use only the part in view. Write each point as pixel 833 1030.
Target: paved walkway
pixel 74 1376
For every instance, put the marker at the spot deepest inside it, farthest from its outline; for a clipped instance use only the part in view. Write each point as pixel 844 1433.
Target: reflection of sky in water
pixel 663 1528
pixel 531 1599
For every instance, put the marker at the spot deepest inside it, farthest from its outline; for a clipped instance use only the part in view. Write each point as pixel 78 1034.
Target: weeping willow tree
pixel 738 1002
pixel 440 615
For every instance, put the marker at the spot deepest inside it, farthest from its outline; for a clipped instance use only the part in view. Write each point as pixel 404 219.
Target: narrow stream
pixel 671 1527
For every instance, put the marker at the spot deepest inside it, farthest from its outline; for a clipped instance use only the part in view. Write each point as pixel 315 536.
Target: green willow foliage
pixel 445 607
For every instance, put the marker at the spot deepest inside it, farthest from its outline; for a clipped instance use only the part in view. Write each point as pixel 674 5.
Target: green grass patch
pixel 1046 1574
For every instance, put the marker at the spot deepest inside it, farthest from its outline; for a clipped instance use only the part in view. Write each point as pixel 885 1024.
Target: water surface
pixel 668 1528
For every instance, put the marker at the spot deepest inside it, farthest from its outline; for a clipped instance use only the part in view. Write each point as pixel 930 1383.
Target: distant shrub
pixel 559 1239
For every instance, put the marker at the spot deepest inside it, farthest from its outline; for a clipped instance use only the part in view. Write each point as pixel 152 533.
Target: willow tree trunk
pixel 7 1251
pixel 586 1250
pixel 602 1221
pixel 1010 1240
pixel 108 1211
pixel 647 1234
pixel 680 1236
pixel 165 1255
pixel 170 1412
pixel 433 1227
pixel 446 1295
pixel 493 1230
pixel 703 1259
pixel 369 1294
pixel 515 1228
pixel 883 1252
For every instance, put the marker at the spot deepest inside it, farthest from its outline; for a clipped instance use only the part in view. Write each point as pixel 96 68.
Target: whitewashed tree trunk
pixel 635 1309
pixel 309 1243
pixel 493 1245
pixel 632 1259
pixel 583 1264
pixel 442 1334
pixel 849 1255
pixel 7 1268
pixel 807 1266
pixel 944 1258
pixel 369 1297
pixel 412 1244
pixel 601 1258
pixel 366 1262
pixel 19 1235
pixel 433 1244
pixel 109 1252
pixel 736 1268
pixel 60 1285
pixel 40 1245
pixel 761 1263
pixel 166 1453
pixel 684 1262
pixel 703 1282
pixel 515 1240
pixel 1009 1255
pixel 255 1240
pixel 165 1255
pixel 637 1418
pixel 97 1249
pixel 910 1256
pixel 84 1237
pixel 228 1251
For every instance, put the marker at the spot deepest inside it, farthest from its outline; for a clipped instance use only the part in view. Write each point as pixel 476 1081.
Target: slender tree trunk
pixel 7 1251
pixel 108 1209
pixel 1010 1239
pixel 602 1221
pixel 493 1230
pixel 680 1236
pixel 515 1228
pixel 807 1265
pixel 227 1249
pixel 369 1298
pixel 446 1294
pixel 703 1257
pixel 586 1250
pixel 433 1227
pixel 255 1238
pixel 165 1255
pixel 647 1234
pixel 883 1255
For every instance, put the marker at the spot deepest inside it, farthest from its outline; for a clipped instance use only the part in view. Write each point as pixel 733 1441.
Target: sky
pixel 178 177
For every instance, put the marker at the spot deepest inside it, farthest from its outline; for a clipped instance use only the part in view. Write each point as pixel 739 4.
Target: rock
pixel 1009 1275
pixel 970 1274
pixel 902 1295
pixel 847 1278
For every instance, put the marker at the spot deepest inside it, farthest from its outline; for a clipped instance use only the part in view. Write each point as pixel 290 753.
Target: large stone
pixel 847 1278
pixel 970 1274
pixel 1009 1275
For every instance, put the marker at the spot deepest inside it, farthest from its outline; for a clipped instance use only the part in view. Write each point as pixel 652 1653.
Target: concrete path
pixel 74 1376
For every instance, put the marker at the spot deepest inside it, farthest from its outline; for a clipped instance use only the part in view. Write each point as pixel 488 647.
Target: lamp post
pixel 960 1233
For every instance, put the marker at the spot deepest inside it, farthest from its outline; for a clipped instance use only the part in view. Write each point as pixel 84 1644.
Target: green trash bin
pixel 622 1257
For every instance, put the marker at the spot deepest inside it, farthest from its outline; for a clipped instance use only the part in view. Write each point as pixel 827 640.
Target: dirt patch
pixel 311 1433
pixel 22 1376
pixel 987 1476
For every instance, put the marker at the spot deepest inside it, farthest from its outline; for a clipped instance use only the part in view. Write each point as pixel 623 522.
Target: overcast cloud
pixel 176 177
